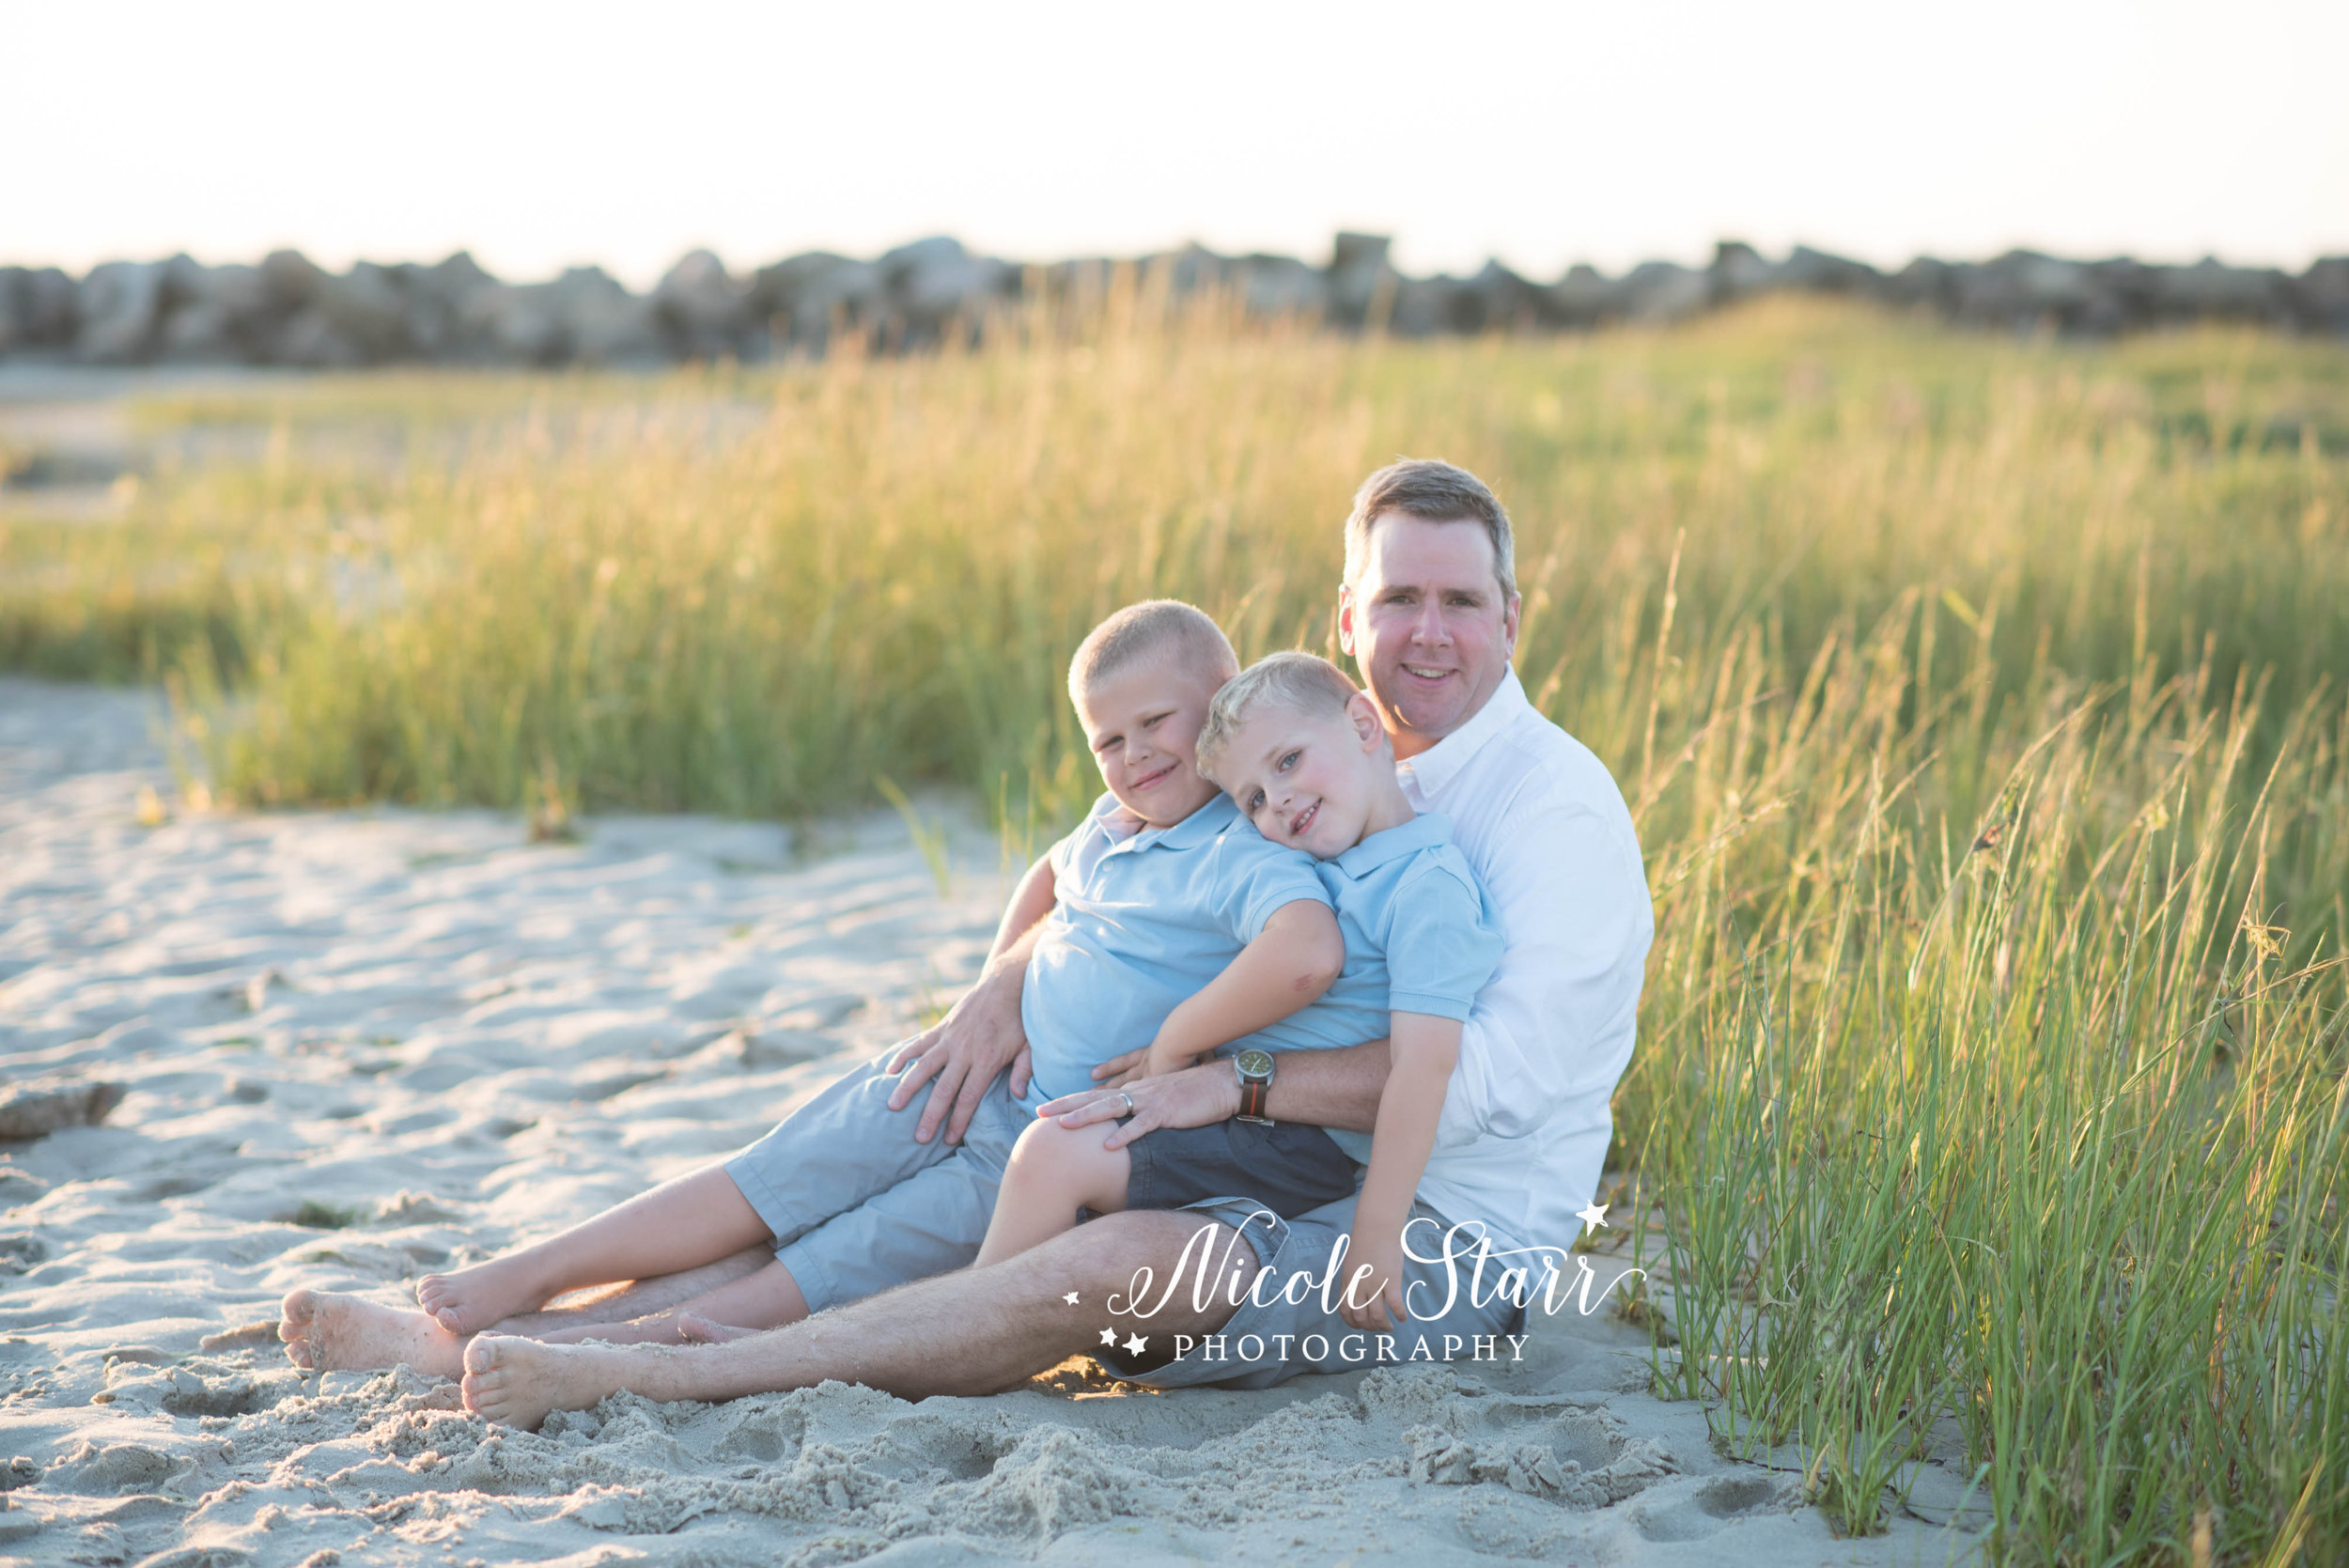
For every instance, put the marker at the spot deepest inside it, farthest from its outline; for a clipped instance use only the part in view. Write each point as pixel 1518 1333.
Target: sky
pixel 539 136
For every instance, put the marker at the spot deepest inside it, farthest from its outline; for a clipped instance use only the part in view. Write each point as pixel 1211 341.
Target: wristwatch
pixel 1255 1085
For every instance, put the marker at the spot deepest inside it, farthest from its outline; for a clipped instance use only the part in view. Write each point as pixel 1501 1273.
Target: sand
pixel 355 1046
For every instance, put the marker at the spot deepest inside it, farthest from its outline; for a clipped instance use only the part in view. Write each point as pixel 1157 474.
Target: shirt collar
pixel 1437 765
pixel 1124 828
pixel 1427 831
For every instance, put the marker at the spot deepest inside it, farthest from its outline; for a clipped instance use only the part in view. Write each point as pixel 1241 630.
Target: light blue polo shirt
pixel 1419 938
pixel 1140 923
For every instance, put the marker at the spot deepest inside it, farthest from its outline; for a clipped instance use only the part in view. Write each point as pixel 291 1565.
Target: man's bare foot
pixel 482 1296
pixel 517 1382
pixel 693 1328
pixel 334 1332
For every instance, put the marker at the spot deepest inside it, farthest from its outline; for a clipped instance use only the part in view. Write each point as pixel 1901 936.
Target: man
pixel 1429 612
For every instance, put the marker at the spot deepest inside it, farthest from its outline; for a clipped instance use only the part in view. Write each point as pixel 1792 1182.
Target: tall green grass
pixel 1980 703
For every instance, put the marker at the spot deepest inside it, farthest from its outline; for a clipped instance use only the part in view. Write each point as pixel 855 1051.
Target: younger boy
pixel 1298 748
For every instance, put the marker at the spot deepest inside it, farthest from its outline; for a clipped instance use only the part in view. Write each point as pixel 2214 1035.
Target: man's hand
pixel 1194 1097
pixel 963 1051
pixel 1381 1293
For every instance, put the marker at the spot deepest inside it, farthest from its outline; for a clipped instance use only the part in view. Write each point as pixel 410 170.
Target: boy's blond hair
pixel 1153 626
pixel 1300 682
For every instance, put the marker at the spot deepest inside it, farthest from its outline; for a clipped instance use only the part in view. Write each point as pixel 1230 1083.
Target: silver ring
pixel 1129 1099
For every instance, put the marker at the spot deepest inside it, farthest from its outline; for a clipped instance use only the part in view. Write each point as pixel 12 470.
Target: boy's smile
pixel 1142 723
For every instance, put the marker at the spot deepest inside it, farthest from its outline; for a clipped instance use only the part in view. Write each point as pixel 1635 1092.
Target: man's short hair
pixel 1153 628
pixel 1432 490
pixel 1300 682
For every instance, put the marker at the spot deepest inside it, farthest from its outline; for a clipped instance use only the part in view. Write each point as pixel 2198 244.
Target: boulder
pixel 933 283
pixel 40 310
pixel 803 301
pixel 121 309
pixel 602 322
pixel 1821 272
pixel 2320 296
pixel 1739 271
pixel 2210 291
pixel 1272 285
pixel 217 314
pixel 1660 291
pixel 1583 298
pixel 700 309
pixel 1361 278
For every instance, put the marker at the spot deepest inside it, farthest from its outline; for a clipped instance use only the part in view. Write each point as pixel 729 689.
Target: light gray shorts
pixel 856 1205
pixel 1269 1344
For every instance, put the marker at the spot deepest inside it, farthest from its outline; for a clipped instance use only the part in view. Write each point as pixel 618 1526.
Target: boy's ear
pixel 1363 714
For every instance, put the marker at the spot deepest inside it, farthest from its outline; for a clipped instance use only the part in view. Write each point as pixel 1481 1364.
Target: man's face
pixel 1427 626
pixel 1142 723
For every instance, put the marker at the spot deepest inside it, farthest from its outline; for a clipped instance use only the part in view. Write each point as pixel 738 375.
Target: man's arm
pixel 981 1033
pixel 1293 960
pixel 1335 1088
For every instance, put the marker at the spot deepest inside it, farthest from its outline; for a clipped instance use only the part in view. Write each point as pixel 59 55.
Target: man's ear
pixel 1345 619
pixel 1369 728
pixel 1509 623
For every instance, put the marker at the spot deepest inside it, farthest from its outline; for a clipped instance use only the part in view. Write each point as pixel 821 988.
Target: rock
pixel 1819 273
pixel 803 300
pixel 935 282
pixel 1281 285
pixel 2320 296
pixel 2212 291
pixel 1583 298
pixel 699 309
pixel 1660 291
pixel 121 307
pixel 40 310
pixel 1361 279
pixel 1739 271
pixel 31 1110
pixel 2023 291
pixel 602 322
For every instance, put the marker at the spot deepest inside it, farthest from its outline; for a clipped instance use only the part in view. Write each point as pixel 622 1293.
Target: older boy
pixel 1162 889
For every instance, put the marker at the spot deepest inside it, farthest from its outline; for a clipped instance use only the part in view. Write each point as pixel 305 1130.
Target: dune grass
pixel 1980 703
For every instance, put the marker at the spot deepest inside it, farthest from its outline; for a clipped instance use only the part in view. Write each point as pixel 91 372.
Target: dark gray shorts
pixel 1289 1168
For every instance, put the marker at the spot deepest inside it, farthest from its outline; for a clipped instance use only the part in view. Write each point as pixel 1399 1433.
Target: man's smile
pixel 1424 672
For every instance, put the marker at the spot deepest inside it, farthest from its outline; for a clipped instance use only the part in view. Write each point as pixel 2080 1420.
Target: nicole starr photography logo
pixel 1463 1265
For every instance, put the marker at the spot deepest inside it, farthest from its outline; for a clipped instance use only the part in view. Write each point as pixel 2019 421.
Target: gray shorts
pixel 856 1205
pixel 1270 1343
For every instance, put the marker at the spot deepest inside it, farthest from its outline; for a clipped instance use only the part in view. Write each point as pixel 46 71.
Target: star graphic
pixel 1593 1218
pixel 1070 1298
pixel 1108 1336
pixel 1134 1346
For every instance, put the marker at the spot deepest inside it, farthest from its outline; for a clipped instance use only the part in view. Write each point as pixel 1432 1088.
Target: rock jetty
pixel 287 310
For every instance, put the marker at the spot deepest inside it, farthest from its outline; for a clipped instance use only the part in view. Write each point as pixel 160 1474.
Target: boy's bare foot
pixel 334 1332
pixel 482 1296
pixel 517 1382
pixel 693 1328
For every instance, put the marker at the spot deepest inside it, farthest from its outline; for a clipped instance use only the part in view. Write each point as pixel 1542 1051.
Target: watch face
pixel 1254 1063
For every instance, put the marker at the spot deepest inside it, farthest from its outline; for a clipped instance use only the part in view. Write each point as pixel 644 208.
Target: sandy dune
pixel 359 1046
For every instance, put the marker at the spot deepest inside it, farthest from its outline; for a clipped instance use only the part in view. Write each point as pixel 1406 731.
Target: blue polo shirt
pixel 1139 922
pixel 1419 938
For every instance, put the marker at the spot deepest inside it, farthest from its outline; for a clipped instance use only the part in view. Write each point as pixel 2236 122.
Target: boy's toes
pixel 485 1353
pixel 296 1317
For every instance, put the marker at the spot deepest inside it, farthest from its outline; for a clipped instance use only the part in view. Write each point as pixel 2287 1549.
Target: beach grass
pixel 1980 701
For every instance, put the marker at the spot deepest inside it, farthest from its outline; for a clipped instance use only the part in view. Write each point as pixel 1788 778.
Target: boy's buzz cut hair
pixel 1300 682
pixel 1154 626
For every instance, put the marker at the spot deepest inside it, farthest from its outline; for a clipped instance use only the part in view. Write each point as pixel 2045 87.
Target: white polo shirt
pixel 1526 1122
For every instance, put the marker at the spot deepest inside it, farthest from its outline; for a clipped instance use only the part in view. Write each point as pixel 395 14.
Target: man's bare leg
pixel 968 1332
pixel 1054 1172
pixel 349 1333
pixel 678 1225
